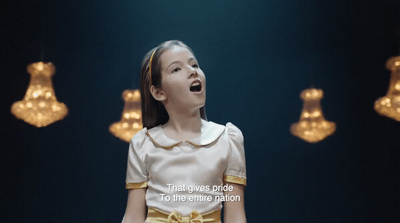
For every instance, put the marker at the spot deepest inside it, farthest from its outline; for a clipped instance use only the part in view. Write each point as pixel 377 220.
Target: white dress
pixel 186 171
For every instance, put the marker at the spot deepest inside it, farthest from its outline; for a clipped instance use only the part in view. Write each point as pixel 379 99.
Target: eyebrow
pixel 177 61
pixel 172 64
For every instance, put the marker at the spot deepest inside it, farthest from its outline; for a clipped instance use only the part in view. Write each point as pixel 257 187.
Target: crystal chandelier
pixel 131 120
pixel 312 126
pixel 389 105
pixel 40 106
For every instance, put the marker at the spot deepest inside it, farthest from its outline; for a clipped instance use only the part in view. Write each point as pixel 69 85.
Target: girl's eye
pixel 195 65
pixel 176 70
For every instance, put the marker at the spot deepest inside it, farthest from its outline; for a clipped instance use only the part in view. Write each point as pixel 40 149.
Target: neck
pixel 183 126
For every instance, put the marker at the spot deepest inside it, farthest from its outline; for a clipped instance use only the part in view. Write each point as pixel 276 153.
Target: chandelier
pixel 389 105
pixel 40 106
pixel 312 126
pixel 131 120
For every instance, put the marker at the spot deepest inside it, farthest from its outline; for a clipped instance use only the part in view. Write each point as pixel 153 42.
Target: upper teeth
pixel 194 84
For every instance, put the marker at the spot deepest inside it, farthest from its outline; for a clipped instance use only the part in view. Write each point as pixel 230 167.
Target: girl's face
pixel 183 82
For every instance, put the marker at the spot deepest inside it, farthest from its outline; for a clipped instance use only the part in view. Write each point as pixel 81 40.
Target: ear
pixel 158 93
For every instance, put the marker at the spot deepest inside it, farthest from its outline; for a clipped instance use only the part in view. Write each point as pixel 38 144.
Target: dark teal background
pixel 257 57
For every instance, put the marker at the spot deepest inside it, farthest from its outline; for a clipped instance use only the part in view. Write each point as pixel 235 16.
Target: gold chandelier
pixel 389 105
pixel 40 106
pixel 131 120
pixel 312 126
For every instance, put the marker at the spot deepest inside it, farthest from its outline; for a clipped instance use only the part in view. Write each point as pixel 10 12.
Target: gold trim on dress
pixel 136 185
pixel 158 145
pixel 210 132
pixel 194 144
pixel 154 215
pixel 235 180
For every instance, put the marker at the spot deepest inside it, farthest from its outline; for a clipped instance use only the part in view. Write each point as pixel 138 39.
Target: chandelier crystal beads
pixel 131 120
pixel 312 126
pixel 389 105
pixel 40 106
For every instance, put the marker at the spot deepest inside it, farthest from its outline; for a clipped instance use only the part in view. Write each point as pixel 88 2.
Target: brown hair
pixel 153 111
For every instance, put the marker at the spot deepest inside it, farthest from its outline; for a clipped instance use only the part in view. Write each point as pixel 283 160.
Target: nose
pixel 193 72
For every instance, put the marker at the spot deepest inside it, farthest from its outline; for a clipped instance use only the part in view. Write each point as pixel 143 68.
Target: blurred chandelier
pixel 131 120
pixel 40 106
pixel 389 105
pixel 312 126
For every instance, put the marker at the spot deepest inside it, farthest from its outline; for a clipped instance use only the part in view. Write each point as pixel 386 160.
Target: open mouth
pixel 195 86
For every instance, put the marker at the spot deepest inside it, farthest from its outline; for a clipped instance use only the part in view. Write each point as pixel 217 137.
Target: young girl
pixel 181 167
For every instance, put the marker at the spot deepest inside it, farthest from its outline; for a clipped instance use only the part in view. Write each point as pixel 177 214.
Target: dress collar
pixel 210 132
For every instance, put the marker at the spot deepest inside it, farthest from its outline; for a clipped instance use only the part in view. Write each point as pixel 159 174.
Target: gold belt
pixel 154 215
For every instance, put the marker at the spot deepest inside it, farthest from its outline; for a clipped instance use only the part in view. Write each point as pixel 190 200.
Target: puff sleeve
pixel 136 173
pixel 236 168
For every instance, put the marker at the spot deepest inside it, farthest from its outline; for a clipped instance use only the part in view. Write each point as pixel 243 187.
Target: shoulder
pixel 229 127
pixel 230 131
pixel 138 139
pixel 234 132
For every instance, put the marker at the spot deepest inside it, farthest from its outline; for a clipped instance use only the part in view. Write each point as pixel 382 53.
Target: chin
pixel 198 106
